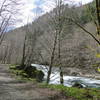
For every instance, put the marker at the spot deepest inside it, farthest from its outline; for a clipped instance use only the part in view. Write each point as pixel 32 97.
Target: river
pixel 68 80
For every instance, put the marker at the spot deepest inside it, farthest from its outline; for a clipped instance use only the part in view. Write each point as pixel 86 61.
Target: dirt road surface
pixel 12 89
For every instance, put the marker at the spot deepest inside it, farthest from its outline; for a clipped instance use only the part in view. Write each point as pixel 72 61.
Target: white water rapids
pixel 68 80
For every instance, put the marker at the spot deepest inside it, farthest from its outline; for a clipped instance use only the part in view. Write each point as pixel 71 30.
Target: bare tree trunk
pixel 60 64
pixel 23 55
pixel 60 24
pixel 52 58
pixel 58 28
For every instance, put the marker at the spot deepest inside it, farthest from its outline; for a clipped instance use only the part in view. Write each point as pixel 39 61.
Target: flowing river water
pixel 68 80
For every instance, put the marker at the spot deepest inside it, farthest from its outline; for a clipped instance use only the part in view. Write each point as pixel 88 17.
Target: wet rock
pixel 74 73
pixel 78 85
pixel 39 76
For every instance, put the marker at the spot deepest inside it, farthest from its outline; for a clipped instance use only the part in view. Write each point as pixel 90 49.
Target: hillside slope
pixel 78 49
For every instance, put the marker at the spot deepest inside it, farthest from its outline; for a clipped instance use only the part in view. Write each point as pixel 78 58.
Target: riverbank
pixel 71 93
pixel 88 73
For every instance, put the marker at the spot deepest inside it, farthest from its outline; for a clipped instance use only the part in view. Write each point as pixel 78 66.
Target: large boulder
pixel 34 73
pixel 30 72
pixel 74 73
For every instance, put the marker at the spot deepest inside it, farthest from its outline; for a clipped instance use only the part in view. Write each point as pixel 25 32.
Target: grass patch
pixel 77 93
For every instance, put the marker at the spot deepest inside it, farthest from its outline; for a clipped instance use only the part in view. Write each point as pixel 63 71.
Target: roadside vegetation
pixel 76 93
pixel 31 73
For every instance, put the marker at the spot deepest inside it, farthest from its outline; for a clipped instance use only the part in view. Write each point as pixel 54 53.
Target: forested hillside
pixel 78 49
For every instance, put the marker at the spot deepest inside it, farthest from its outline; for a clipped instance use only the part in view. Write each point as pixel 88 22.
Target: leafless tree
pixel 60 14
pixel 79 25
pixel 58 22
pixel 24 52
pixel 8 9
pixel 95 36
pixel 30 52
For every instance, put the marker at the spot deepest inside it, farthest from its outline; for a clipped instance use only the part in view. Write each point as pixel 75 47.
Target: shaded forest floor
pixel 13 89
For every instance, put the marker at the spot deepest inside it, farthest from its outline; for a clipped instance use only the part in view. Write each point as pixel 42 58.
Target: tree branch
pixel 84 29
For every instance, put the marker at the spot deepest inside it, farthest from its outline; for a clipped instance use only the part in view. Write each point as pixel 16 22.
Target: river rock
pixel 74 73
pixel 78 85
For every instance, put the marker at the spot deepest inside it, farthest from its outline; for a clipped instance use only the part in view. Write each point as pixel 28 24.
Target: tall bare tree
pixel 60 14
pixel 82 27
pixel 8 9
pixel 58 22
pixel 24 51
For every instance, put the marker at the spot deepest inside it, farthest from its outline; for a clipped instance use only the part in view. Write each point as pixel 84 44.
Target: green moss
pixel 12 67
pixel 30 73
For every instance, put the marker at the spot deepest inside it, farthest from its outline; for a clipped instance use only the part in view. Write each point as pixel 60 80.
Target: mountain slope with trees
pixel 78 49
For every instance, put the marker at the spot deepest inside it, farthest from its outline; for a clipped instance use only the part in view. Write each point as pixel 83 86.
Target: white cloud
pixel 27 14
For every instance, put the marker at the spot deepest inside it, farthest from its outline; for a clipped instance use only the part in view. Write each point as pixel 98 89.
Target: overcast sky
pixel 40 6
